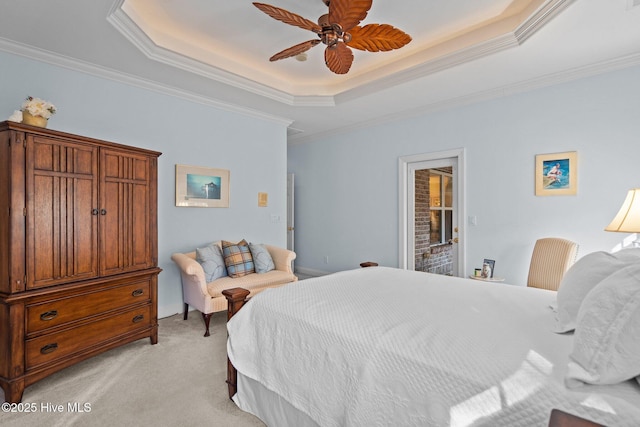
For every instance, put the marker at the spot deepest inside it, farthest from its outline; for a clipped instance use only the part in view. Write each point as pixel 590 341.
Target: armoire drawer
pixel 59 311
pixel 55 346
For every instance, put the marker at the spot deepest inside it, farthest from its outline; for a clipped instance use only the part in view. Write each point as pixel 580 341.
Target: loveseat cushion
pixel 250 282
pixel 237 258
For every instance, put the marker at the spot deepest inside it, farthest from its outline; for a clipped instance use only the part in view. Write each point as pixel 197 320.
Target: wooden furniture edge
pixel 368 264
pixel 563 419
pixel 236 298
pixel 20 127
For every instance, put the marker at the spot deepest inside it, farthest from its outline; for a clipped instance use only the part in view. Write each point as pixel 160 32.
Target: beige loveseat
pixel 207 297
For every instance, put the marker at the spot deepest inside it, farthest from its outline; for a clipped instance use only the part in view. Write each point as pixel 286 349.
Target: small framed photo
pixel 488 266
pixel 557 174
pixel 202 187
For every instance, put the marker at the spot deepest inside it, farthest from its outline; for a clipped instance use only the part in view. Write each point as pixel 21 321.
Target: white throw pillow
pixel 581 278
pixel 629 255
pixel 606 348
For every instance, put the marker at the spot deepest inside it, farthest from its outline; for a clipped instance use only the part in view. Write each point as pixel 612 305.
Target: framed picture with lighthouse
pixel 202 187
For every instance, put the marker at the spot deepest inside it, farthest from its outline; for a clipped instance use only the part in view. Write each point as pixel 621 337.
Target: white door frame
pixel 406 193
pixel 290 212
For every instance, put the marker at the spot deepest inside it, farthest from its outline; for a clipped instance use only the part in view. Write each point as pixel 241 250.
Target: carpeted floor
pixel 178 382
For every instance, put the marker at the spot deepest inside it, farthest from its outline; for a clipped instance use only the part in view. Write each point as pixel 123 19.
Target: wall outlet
pixel 326 259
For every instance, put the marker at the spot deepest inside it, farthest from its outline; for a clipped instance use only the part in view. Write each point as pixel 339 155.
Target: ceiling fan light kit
pixel 339 30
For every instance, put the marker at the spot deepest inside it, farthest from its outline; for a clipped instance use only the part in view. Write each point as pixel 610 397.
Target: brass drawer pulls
pixel 49 315
pixel 49 348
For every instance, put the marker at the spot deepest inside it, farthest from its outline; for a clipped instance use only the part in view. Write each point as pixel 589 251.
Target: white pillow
pixel 583 276
pixel 606 347
pixel 629 255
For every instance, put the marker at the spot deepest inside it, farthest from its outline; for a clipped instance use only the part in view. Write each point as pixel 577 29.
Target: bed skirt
pixel 265 404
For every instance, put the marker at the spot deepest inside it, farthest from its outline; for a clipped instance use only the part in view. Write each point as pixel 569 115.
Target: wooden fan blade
pixel 348 13
pixel 289 17
pixel 295 50
pixel 377 38
pixel 338 58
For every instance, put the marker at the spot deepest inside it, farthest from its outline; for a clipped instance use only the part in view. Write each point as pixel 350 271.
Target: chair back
pixel 551 258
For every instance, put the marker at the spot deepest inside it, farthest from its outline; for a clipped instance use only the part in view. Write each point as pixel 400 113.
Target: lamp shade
pixel 628 218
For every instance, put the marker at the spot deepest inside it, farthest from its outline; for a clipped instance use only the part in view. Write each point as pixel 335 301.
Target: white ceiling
pixel 216 52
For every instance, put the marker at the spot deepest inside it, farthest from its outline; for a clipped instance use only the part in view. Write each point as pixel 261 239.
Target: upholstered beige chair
pixel 551 258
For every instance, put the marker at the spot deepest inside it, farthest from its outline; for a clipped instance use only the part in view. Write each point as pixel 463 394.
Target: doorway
pixel 435 226
pixel 432 212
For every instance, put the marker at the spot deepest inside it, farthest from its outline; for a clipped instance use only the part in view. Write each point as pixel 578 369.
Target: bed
pixel 381 346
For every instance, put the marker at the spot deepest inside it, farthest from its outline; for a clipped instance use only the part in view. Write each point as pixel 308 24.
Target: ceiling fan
pixel 339 30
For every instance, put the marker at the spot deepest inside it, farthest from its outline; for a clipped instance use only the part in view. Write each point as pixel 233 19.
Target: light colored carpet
pixel 178 382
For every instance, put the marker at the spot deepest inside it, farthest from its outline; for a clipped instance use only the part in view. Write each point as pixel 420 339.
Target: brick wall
pixel 440 260
pixel 422 229
pixel 433 259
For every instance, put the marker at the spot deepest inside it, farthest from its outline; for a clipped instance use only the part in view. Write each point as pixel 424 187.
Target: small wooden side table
pixel 487 279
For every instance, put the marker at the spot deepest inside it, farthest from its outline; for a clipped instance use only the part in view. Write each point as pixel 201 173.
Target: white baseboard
pixel 169 310
pixel 311 272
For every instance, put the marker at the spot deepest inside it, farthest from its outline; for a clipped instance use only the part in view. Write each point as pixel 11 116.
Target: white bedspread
pixel 382 346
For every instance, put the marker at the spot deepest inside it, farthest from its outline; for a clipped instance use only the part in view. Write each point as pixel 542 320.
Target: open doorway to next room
pixel 434 230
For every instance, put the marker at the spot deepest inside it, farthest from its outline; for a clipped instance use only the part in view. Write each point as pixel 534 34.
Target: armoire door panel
pixel 125 226
pixel 141 245
pixel 62 191
pixel 111 229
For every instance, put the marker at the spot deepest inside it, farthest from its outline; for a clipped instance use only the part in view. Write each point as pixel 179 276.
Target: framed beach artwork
pixel 557 174
pixel 202 187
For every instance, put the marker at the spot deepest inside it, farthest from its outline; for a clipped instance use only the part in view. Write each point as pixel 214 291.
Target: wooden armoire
pixel 78 250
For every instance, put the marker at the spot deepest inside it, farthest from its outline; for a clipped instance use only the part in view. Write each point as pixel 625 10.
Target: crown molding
pixel 73 64
pixel 463 56
pixel 119 19
pixel 304 137
pixel 495 93
pixel 508 40
pixel 429 60
pixel 540 18
pixel 536 20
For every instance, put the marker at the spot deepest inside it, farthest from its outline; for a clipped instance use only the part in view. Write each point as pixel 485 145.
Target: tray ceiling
pixel 233 40
pixel 216 52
